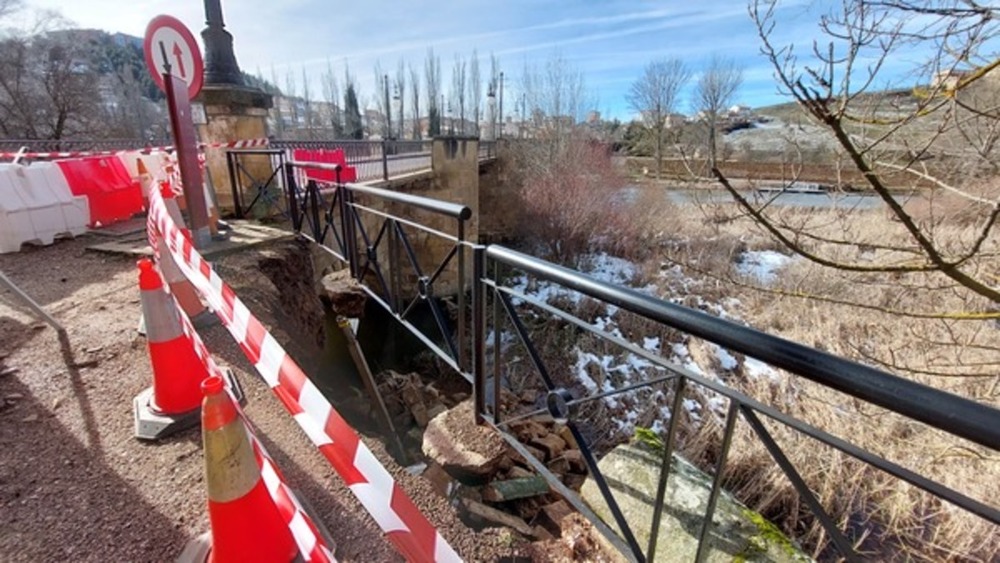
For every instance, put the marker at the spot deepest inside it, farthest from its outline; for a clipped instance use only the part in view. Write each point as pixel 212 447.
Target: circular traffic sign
pixel 169 42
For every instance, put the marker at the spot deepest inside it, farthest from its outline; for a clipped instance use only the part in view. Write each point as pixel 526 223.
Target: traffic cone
pixel 245 523
pixel 180 286
pixel 172 403
pixel 146 181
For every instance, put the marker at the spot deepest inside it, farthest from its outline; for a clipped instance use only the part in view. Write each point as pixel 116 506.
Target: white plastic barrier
pixel 36 206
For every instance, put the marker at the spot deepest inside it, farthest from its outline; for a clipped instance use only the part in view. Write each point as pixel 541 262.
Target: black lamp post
pixel 220 60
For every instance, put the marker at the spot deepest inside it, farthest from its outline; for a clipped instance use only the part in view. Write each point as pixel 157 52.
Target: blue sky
pixel 608 41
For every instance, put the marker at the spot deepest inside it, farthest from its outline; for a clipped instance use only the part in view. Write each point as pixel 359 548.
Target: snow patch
pixel 726 360
pixel 762 265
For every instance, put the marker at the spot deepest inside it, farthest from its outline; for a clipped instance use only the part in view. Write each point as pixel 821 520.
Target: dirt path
pixel 75 483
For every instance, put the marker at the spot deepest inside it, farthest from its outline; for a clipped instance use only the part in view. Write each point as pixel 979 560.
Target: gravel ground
pixel 75 483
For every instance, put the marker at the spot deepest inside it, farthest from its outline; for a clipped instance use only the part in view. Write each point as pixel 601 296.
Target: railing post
pixel 350 238
pixel 293 200
pixel 463 338
pixel 479 333
pixel 312 190
pixel 237 199
pixel 385 159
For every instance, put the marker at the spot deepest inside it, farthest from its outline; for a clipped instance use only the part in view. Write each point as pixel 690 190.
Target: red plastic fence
pixel 347 173
pixel 110 191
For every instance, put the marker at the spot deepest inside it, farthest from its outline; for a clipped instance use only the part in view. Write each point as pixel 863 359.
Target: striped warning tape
pixel 403 523
pixel 310 542
pixel 243 144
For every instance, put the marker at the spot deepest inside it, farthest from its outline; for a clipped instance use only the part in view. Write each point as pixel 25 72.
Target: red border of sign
pixel 199 66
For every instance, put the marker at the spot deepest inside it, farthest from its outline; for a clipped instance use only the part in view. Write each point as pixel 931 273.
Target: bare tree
pixel 8 7
pixel 714 93
pixel 475 90
pixel 291 95
pixel 459 78
pixel 331 94
pixel 45 91
pixel 654 95
pixel 888 143
pixel 307 108
pixel 415 94
pixel 432 80
pixel 553 96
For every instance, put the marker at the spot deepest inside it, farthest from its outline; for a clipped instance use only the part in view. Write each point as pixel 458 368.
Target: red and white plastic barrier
pixel 403 523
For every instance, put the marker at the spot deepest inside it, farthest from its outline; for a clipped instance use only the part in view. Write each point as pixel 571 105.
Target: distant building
pixel 674 120
pixel 593 117
pixel 740 112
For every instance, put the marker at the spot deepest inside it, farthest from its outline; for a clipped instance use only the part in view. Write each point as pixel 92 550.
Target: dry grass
pixel 889 519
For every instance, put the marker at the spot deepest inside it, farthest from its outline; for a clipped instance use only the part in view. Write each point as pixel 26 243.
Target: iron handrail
pixel 954 414
pixel 455 210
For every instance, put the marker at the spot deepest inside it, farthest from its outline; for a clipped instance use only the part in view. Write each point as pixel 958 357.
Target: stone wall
pixel 233 114
pixel 455 179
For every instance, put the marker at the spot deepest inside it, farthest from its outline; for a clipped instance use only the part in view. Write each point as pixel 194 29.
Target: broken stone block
pixel 468 452
pixel 528 429
pixel 436 409
pixel 541 534
pixel 559 466
pixel 567 435
pixel 439 479
pixel 576 461
pixel 574 481
pixel 516 472
pixel 493 516
pixel 551 515
pixel 420 415
pixel 511 489
pixel 535 453
pixel 551 444
pixel 344 294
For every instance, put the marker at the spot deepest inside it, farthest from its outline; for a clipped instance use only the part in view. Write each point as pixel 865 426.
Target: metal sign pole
pixel 185 140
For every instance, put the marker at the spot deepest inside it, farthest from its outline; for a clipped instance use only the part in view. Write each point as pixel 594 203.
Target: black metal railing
pixel 256 188
pixel 496 303
pixel 373 160
pixel 353 223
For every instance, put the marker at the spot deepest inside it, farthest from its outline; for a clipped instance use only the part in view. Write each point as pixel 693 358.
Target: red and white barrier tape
pixel 310 542
pixel 244 144
pixel 403 523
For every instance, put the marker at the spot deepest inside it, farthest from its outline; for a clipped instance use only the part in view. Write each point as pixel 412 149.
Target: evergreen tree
pixel 352 114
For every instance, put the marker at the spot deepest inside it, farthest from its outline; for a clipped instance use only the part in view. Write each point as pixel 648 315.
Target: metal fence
pixel 254 190
pixel 351 222
pixel 381 255
pixel 374 160
pixel 498 304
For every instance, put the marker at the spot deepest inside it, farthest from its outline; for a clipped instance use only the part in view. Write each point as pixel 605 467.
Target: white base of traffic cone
pixel 153 425
pixel 196 550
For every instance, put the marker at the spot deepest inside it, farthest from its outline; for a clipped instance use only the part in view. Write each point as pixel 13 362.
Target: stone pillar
pixel 232 113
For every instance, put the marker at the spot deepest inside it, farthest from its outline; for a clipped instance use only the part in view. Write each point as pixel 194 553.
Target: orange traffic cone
pixel 172 403
pixel 180 286
pixel 245 523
